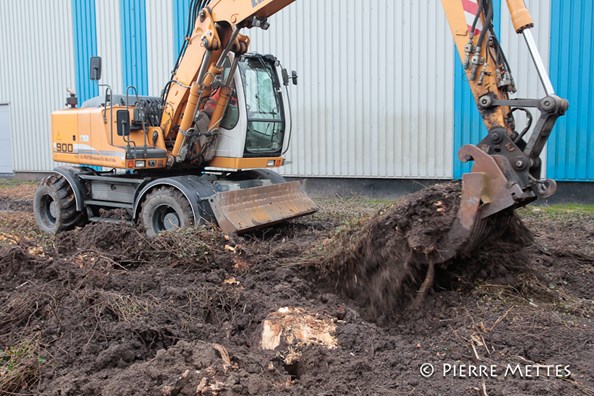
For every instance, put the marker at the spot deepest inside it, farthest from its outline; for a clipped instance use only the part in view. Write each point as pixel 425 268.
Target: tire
pixel 54 206
pixel 165 209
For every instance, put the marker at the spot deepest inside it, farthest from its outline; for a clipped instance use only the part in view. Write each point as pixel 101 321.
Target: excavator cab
pixel 257 122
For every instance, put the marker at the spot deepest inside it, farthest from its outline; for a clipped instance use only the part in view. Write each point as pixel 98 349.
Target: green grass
pixel 16 182
pixel 20 367
pixel 559 212
pixel 567 208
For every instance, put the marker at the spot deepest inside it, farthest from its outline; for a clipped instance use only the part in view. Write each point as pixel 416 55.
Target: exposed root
pixel 425 286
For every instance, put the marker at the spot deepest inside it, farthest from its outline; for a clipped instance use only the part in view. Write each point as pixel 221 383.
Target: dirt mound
pixel 130 246
pixel 382 262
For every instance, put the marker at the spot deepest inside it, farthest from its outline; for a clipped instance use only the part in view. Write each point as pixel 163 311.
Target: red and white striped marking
pixel 471 8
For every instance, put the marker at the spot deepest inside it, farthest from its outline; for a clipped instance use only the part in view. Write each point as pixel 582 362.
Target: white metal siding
pixel 514 45
pixel 36 67
pixel 159 36
pixel 6 166
pixel 375 91
pixel 109 44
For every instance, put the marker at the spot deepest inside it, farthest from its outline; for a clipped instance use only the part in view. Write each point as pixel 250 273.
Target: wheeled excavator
pixel 204 151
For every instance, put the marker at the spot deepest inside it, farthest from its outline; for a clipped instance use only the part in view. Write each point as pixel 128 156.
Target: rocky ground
pixel 301 308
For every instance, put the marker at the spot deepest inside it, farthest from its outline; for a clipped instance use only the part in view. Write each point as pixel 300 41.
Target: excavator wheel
pixel 165 209
pixel 54 206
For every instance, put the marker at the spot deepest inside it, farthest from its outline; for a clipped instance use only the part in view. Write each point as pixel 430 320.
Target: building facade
pixel 381 93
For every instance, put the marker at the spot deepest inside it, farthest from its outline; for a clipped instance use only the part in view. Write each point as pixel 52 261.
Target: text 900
pixel 64 148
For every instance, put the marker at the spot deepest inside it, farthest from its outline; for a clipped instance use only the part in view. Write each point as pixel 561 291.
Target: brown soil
pixel 382 263
pixel 16 196
pixel 106 310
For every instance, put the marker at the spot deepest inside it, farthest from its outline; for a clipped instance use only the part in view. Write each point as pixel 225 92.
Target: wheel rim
pixel 49 210
pixel 165 218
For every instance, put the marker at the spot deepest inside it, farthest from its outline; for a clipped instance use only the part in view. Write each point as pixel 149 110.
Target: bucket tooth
pixel 485 192
pixel 253 208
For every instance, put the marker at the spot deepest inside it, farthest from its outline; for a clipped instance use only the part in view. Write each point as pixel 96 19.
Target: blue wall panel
pixel 134 45
pixel 85 46
pixel 181 9
pixel 571 147
pixel 468 124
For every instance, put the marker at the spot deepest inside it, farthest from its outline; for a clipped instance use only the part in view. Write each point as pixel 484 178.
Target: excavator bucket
pixel 485 192
pixel 253 208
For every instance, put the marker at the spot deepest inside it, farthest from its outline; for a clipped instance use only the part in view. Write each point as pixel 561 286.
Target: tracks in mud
pixel 8 204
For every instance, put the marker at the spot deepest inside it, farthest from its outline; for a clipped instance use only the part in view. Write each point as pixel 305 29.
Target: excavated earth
pixel 323 305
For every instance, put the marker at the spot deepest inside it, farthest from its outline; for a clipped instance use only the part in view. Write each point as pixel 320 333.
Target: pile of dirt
pixel 130 246
pixel 382 262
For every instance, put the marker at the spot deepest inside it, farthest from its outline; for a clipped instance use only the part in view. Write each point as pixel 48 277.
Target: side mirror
pixel 123 121
pixel 96 68
pixel 285 77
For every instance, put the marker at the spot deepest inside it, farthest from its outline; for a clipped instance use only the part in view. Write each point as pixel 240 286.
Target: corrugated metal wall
pixel 159 29
pixel 6 164
pixel 84 19
pixel 36 67
pixel 571 148
pixel 109 39
pixel 134 45
pixel 375 90
pixel 375 95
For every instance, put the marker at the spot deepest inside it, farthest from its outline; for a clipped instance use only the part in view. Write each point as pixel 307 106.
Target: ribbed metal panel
pixel 571 148
pixel 37 65
pixel 518 56
pixel 109 42
pixel 85 46
pixel 375 92
pixel 159 31
pixel 134 44
pixel 181 10
pixel 6 164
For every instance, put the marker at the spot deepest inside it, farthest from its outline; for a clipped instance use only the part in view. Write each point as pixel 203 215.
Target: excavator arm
pixel 512 166
pixel 506 173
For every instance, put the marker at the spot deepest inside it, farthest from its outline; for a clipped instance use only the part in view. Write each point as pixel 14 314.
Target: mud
pixel 381 263
pixel 105 310
pixel 16 205
pixel 16 196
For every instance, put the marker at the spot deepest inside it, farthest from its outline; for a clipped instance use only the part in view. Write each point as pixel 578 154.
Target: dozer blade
pixel 485 192
pixel 253 208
